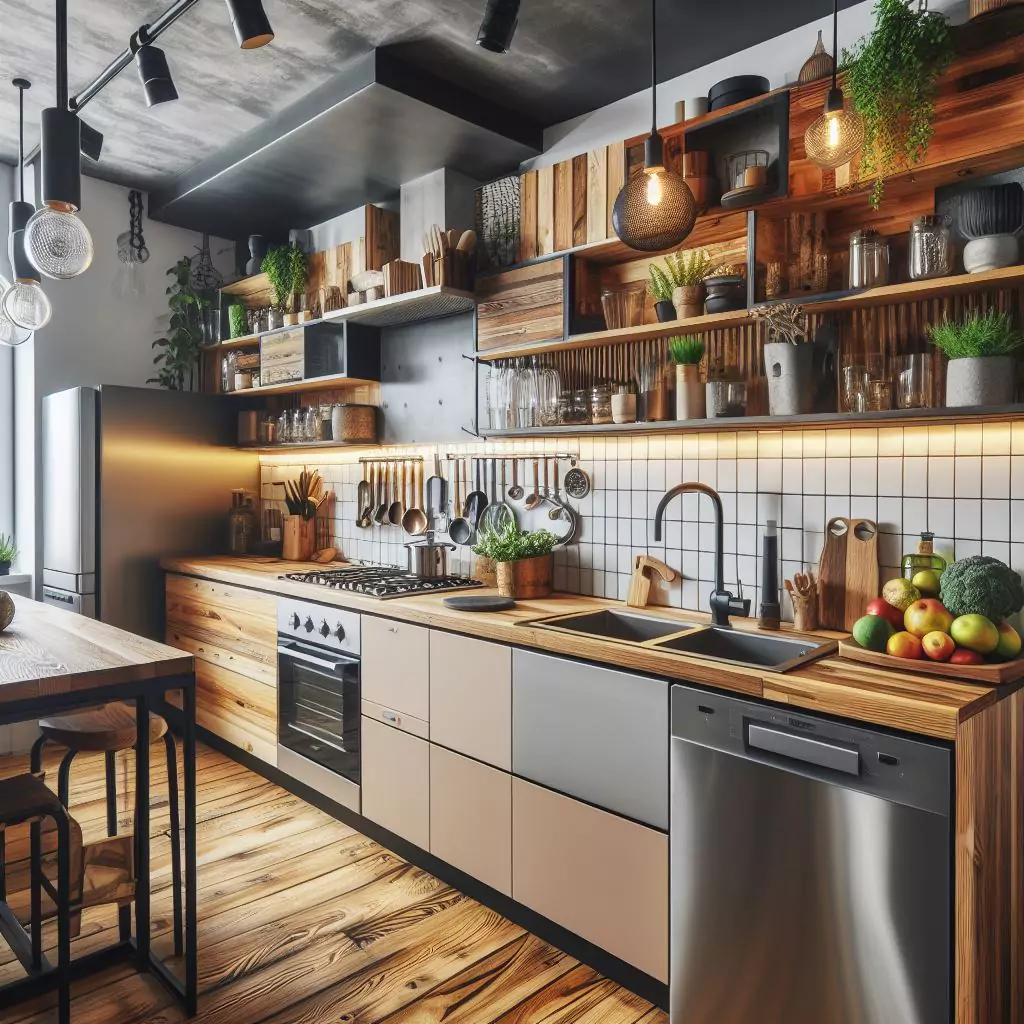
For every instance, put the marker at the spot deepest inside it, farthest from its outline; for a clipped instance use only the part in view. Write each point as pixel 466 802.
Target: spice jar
pixel 869 259
pixel 601 404
pixel 931 248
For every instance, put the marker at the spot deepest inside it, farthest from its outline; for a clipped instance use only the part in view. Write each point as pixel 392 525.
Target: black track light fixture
pixel 154 74
pixel 499 25
pixel 250 22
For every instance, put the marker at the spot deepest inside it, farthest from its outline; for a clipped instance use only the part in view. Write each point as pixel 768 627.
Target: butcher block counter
pixel 913 703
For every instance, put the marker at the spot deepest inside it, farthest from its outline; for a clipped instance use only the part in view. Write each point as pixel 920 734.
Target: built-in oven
pixel 319 698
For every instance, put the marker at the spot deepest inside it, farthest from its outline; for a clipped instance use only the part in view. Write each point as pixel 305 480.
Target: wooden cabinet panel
pixel 395 666
pixel 471 697
pixel 521 305
pixel 599 875
pixel 396 781
pixel 471 817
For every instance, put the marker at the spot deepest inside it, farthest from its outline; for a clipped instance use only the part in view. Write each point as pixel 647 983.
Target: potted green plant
pixel 982 369
pixel 523 560
pixel 179 350
pixel 891 77
pixel 788 359
pixel 687 353
pixel 287 268
pixel 237 320
pixel 8 552
pixel 661 289
pixel 687 270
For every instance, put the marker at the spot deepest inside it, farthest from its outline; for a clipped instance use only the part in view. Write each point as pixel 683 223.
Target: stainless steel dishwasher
pixel 810 869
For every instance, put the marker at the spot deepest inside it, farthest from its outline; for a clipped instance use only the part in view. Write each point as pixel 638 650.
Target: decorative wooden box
pixel 320 350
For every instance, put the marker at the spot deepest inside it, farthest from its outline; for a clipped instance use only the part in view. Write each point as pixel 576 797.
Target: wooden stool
pixel 24 798
pixel 110 729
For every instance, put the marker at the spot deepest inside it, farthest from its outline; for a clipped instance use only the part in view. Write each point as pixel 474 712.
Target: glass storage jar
pixel 931 248
pixel 601 403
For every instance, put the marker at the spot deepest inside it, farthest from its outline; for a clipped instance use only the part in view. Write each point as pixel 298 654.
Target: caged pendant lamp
pixel 57 242
pixel 836 136
pixel 655 209
pixel 24 307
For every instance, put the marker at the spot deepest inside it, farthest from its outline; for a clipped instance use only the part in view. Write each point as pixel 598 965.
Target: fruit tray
pixel 993 674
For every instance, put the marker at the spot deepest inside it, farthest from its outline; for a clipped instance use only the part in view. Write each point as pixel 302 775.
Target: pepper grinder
pixel 770 616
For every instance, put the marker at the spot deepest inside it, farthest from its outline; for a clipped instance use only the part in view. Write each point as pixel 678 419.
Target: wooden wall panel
pixel 521 305
pixel 545 211
pixel 383 239
pixel 563 201
pixel 597 194
pixel 579 199
pixel 528 216
pixel 989 865
pixel 616 161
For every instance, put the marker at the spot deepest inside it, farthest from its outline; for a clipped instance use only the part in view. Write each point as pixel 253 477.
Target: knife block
pixel 297 539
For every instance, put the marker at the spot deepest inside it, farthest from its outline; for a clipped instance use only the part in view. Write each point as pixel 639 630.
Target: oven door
pixel 318 705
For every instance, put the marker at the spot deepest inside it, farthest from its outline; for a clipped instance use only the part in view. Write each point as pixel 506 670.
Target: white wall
pixel 779 60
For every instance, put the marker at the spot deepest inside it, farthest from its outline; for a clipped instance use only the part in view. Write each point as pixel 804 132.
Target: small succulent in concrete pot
pixel 981 349
pixel 8 552
pixel 687 354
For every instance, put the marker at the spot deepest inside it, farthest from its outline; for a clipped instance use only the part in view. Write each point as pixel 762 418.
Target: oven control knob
pixel 325 630
pixel 339 632
pixel 295 620
pixel 309 625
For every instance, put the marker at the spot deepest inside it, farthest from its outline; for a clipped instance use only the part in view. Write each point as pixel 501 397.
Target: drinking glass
pixel 915 381
pixel 310 423
pixel 296 426
pixel 497 389
pixel 878 396
pixel 284 428
pixel 526 395
pixel 549 386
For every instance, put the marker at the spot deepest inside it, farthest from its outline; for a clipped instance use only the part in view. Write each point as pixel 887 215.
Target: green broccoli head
pixel 980 585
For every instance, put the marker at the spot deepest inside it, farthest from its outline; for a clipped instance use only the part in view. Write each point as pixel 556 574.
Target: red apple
pixel 938 646
pixel 926 616
pixel 965 656
pixel 904 645
pixel 879 606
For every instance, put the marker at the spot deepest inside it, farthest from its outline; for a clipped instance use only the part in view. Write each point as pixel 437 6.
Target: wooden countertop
pixel 48 651
pixel 913 703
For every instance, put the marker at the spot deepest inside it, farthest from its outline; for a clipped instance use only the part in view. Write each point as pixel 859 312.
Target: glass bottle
pixel 241 524
pixel 924 559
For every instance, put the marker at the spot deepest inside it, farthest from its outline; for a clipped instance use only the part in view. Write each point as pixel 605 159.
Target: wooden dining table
pixel 53 661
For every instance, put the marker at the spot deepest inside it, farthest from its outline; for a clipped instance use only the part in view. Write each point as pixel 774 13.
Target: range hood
pixel 380 123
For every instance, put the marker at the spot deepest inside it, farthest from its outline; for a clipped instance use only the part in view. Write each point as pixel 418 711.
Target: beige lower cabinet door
pixel 471 817
pixel 396 781
pixel 596 874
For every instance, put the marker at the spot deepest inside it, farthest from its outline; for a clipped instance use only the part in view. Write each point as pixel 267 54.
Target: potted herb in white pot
pixel 687 270
pixel 982 368
pixel 691 398
pixel 523 560
pixel 661 289
pixel 788 359
pixel 8 552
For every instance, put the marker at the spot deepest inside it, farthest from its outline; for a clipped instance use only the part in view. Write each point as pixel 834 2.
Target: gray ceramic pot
pixel 984 380
pixel 788 368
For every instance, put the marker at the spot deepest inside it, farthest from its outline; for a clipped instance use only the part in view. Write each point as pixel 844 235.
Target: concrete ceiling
pixel 569 56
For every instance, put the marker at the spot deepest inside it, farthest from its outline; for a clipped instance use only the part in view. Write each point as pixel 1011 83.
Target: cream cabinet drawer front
pixel 396 719
pixel 471 817
pixel 599 875
pixel 471 697
pixel 396 781
pixel 396 666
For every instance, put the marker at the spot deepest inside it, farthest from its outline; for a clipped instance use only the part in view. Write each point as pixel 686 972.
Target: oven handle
pixel 299 654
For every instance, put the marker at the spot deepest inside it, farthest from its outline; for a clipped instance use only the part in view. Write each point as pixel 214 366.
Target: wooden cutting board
pixel 847 571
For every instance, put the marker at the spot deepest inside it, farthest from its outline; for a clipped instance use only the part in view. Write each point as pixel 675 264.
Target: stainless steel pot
pixel 428 558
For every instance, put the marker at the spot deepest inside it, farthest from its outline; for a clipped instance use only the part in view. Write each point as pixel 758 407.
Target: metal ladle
pixel 535 500
pixel 515 492
pixel 366 506
pixel 460 529
pixel 414 522
pixel 397 509
pixel 380 513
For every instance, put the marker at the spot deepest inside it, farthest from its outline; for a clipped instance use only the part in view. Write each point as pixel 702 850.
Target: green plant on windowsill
pixel 688 351
pixel 8 552
pixel 511 544
pixel 977 336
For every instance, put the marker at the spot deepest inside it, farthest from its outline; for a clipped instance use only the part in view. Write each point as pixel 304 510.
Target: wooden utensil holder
pixel 805 611
pixel 527 577
pixel 297 539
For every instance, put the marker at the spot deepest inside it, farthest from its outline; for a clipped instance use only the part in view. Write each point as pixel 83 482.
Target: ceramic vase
pixel 788 368
pixel 688 300
pixel 691 396
pixel 990 252
pixel 257 250
pixel 984 380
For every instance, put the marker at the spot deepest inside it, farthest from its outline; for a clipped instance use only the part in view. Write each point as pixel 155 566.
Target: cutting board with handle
pixel 847 571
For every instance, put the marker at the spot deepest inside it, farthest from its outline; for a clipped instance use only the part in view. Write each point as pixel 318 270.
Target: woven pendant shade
pixel 650 227
pixel 834 138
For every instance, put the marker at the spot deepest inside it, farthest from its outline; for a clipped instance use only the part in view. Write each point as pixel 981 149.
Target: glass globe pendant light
pixel 655 209
pixel 24 303
pixel 58 244
pixel 10 333
pixel 837 135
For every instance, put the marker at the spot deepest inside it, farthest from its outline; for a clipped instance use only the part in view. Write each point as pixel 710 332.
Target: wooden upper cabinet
pixel 396 666
pixel 471 697
pixel 521 305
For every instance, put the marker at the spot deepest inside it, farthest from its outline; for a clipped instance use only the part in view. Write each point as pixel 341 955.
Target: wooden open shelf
pixel 813 421
pixel 334 382
pixel 409 307
pixel 892 294
pixel 252 289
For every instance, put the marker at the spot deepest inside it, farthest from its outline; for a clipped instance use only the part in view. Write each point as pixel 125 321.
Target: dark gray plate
pixel 479 603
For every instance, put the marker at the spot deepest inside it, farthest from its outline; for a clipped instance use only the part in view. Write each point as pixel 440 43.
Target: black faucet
pixel 723 602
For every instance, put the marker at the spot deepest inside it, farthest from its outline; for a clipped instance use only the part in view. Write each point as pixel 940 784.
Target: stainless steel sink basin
pixel 616 625
pixel 752 649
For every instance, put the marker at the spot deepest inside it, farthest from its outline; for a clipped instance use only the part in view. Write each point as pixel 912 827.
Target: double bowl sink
pixel 715 643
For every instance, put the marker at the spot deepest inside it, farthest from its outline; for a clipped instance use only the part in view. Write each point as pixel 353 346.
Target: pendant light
pixel 837 135
pixel 250 22
pixel 655 209
pixel 499 25
pixel 24 303
pixel 57 242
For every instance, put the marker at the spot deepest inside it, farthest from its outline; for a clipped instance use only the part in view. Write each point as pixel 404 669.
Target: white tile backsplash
pixel 962 484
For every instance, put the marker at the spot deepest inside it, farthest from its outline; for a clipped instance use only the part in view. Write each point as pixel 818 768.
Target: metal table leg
pixel 188 704
pixel 142 883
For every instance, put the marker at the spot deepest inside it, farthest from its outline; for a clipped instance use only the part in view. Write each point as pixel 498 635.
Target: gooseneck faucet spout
pixel 723 602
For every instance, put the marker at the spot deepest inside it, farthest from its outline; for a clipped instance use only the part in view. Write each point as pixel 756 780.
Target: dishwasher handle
pixel 803 748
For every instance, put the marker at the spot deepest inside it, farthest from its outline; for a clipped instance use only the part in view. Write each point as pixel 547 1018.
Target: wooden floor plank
pixel 302 920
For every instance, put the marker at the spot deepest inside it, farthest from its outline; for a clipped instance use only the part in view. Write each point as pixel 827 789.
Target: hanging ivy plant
pixel 891 76
pixel 179 351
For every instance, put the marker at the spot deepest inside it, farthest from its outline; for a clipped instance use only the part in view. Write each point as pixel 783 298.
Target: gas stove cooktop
pixel 381 581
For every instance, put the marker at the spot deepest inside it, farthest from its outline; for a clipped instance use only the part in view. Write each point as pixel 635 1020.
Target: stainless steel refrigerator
pixel 131 475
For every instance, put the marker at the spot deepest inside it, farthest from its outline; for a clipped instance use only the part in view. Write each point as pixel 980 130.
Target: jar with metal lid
pixel 931 248
pixel 869 259
pixel 601 403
